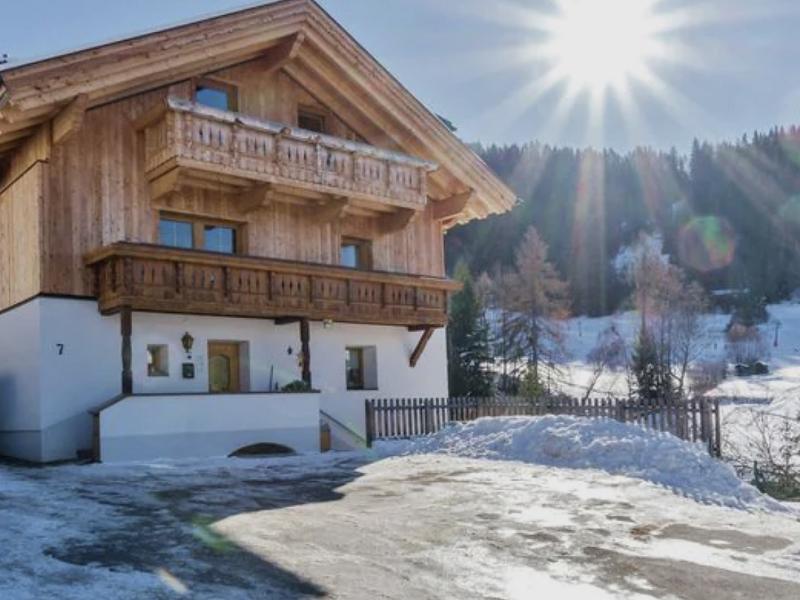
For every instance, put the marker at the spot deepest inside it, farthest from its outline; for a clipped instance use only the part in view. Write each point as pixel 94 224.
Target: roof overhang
pixel 329 62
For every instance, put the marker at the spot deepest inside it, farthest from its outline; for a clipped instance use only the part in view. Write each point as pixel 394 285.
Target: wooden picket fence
pixel 694 420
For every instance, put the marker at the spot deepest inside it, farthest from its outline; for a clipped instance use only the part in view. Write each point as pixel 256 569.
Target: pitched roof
pixel 328 62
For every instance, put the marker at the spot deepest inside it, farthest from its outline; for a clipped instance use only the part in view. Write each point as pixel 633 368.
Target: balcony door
pixel 224 367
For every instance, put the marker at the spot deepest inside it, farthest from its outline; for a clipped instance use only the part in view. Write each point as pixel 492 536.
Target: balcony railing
pixel 156 278
pixel 246 151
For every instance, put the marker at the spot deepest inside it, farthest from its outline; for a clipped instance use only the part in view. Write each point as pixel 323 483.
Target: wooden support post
pixel 126 329
pixel 305 339
pixel 369 415
pixel 423 342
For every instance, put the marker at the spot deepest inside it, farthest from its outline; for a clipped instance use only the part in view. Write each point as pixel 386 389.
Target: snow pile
pixel 614 447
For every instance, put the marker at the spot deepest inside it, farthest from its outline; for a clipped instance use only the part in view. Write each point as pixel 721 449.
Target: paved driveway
pixel 342 527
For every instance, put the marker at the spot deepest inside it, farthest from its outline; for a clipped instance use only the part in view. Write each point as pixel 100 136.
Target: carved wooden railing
pixel 236 145
pixel 157 278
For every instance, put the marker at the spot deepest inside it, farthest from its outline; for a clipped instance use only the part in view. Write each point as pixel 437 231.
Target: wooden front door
pixel 223 367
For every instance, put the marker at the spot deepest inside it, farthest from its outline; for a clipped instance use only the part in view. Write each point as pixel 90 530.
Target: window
pixel 361 368
pixel 355 368
pixel 310 120
pixel 216 95
pixel 178 234
pixel 356 254
pixel 218 238
pixel 158 361
pixel 199 234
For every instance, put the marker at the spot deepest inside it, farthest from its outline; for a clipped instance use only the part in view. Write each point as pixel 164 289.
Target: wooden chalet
pixel 220 181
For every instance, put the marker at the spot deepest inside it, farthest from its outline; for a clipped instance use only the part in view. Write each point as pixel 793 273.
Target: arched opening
pixel 263 449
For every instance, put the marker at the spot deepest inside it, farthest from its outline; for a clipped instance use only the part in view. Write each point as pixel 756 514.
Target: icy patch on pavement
pixel 614 447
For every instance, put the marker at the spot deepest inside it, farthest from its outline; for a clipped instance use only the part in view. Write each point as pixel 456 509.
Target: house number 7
pixel 60 348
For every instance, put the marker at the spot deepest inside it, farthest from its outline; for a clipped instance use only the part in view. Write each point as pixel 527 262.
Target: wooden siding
pixel 20 236
pixel 91 191
pixel 275 97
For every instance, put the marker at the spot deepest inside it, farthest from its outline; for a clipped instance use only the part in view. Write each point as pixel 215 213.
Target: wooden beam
pixel 126 329
pixel 305 346
pixel 396 221
pixel 165 185
pixel 256 198
pixel 331 211
pixel 452 206
pixel 287 320
pixel 421 345
pixel 281 54
pixel 70 119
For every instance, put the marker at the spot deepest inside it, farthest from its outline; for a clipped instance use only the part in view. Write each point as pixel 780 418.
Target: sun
pixel 595 63
pixel 598 44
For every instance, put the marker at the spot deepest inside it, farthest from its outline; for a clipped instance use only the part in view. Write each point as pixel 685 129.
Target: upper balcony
pixel 194 145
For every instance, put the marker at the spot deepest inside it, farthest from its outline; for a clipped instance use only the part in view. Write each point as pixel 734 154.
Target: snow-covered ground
pixel 749 404
pixel 581 336
pixel 606 444
pixel 582 512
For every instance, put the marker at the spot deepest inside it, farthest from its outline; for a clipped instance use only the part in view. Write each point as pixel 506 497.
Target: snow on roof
pixel 274 127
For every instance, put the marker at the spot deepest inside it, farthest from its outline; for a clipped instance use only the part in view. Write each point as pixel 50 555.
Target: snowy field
pixel 749 404
pixel 581 336
pixel 515 508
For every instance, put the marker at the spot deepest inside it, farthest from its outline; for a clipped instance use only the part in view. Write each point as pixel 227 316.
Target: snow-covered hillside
pixel 759 413
pixel 782 383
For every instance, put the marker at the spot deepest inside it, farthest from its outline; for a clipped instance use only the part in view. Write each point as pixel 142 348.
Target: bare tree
pixel 609 352
pixel 672 333
pixel 500 302
pixel 536 300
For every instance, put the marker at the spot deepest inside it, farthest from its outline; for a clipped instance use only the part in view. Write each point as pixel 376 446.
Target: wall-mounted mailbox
pixel 188 370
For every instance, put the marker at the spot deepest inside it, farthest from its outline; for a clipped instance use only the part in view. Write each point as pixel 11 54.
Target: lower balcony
pixel 147 277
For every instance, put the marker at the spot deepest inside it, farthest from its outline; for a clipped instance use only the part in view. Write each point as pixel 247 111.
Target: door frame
pixel 237 350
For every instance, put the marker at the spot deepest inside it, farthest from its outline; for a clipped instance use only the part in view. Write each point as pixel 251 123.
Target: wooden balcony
pixel 155 278
pixel 189 144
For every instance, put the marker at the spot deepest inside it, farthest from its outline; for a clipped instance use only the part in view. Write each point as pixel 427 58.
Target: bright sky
pixel 636 72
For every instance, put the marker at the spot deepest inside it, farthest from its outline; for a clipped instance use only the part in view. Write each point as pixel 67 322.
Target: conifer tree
pixel 469 351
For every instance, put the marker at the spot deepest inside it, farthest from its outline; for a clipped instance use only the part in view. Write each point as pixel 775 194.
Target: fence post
pixel 369 412
pixel 704 423
pixel 428 419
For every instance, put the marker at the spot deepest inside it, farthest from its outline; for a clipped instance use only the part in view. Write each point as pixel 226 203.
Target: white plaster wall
pixel 45 395
pixel 77 377
pixel 396 378
pixel 20 414
pixel 183 426
pixel 268 350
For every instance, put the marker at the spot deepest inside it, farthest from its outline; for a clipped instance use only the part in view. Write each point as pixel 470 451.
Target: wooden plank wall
pixel 20 237
pixel 22 190
pixel 98 195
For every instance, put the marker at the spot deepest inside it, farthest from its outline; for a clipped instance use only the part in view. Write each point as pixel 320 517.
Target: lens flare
pixel 706 244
